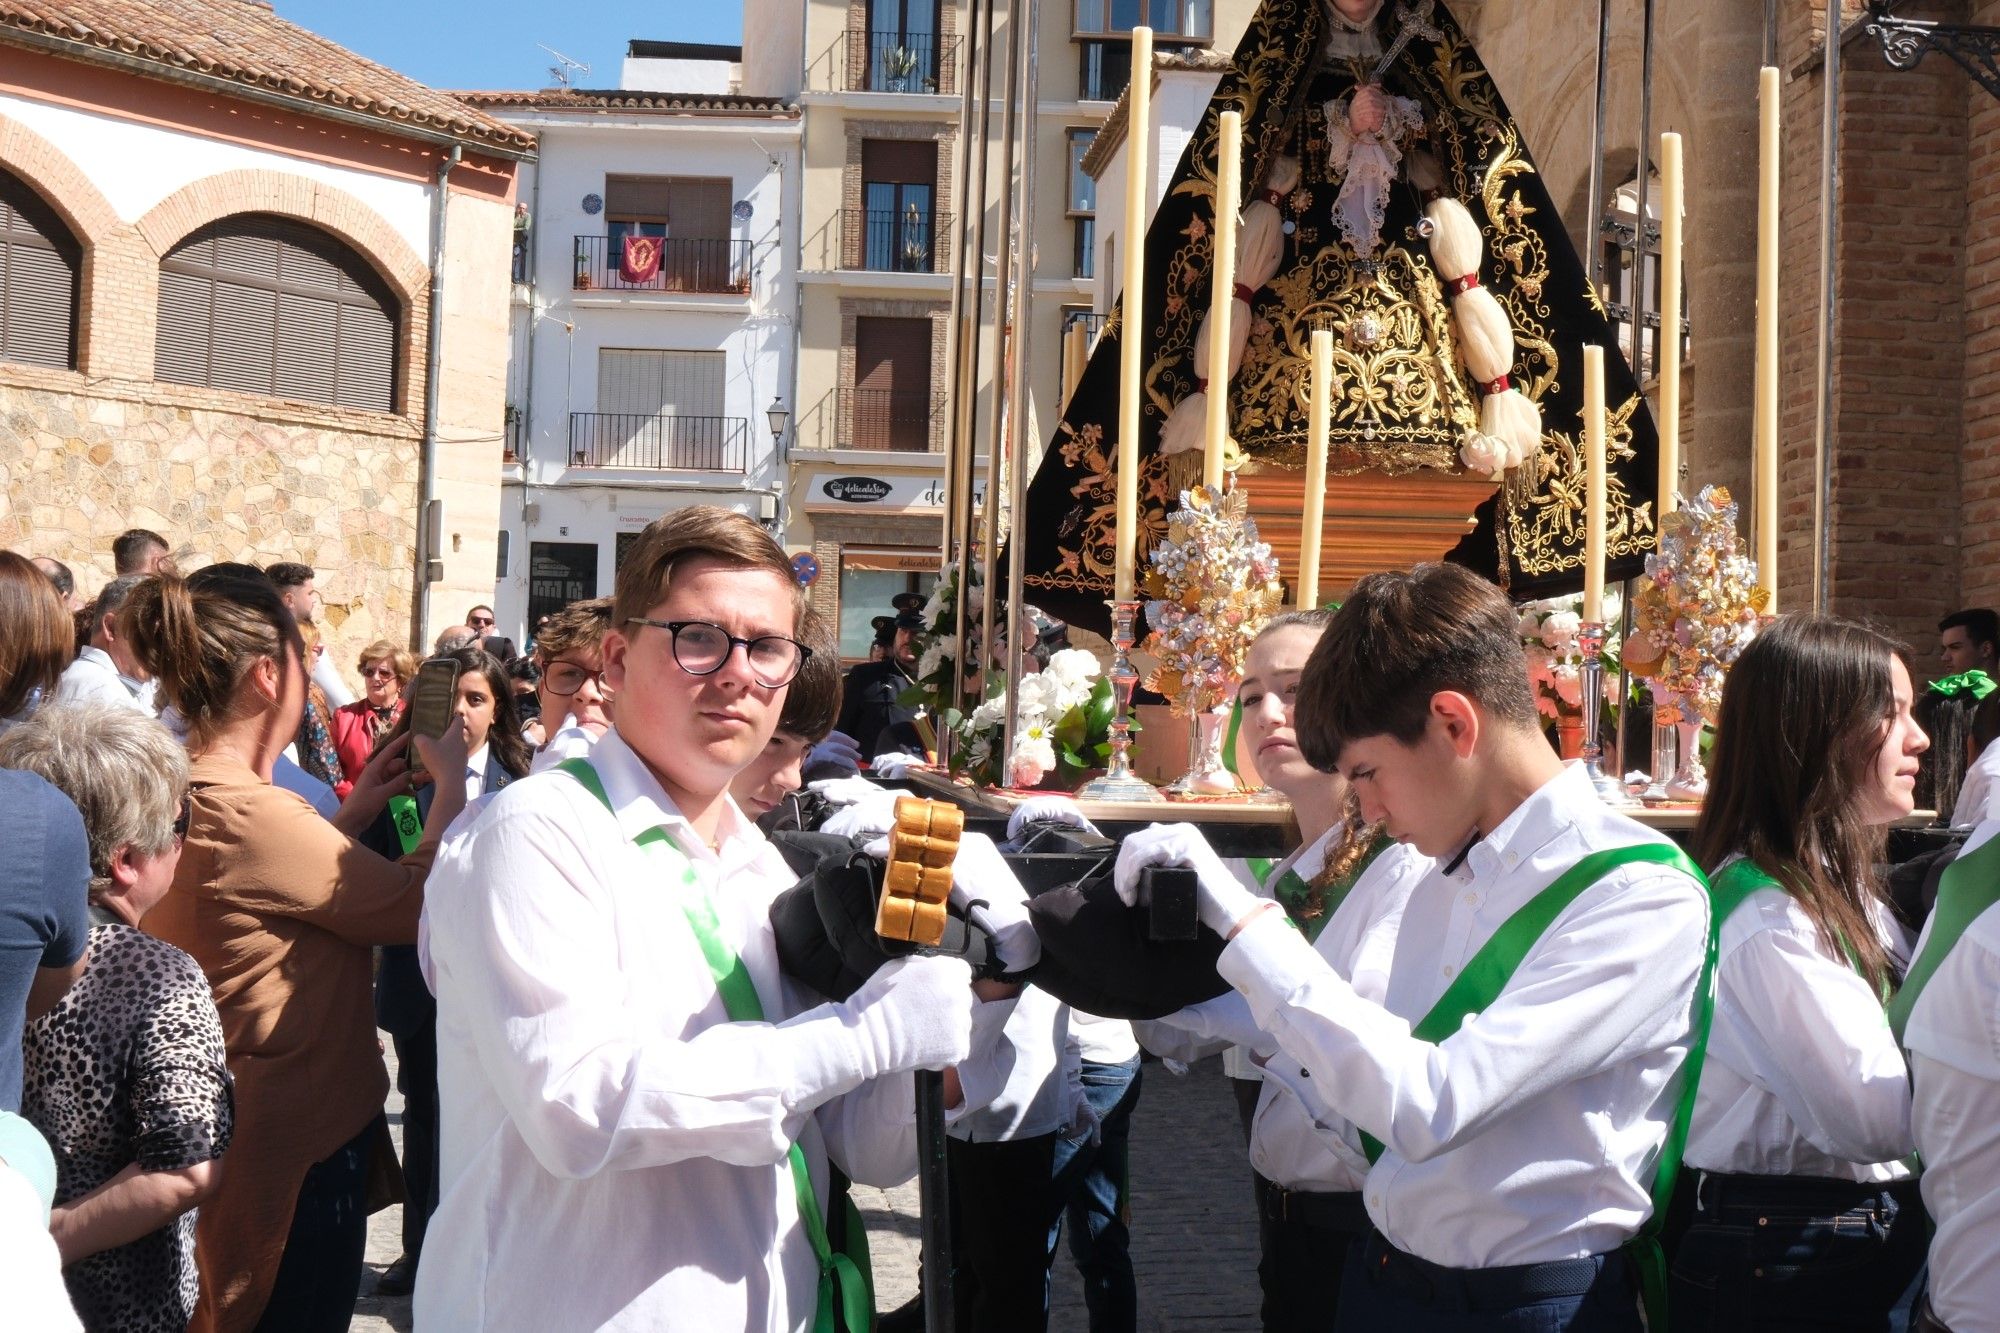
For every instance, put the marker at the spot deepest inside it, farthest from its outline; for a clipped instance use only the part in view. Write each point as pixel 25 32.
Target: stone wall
pixel 248 480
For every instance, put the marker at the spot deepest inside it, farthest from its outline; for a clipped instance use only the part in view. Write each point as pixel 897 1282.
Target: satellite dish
pixel 742 211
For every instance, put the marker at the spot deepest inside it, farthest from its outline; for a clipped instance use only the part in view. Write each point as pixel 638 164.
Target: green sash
pixel 1486 976
pixel 1291 891
pixel 1969 886
pixel 842 1277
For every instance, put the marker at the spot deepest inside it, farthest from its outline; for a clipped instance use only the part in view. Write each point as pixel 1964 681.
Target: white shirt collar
pixel 1532 825
pixel 475 763
pixel 639 803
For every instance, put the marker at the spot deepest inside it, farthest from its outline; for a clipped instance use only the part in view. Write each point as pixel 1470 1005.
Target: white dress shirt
pixel 1803 1076
pixel 94 678
pixel 475 774
pixel 1976 795
pixel 615 1153
pixel 1029 1099
pixel 1954 1040
pixel 571 741
pixel 1531 1134
pixel 1102 1041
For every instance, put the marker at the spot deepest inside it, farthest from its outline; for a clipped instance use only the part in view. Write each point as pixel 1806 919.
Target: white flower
pixel 1559 631
pixel 936 653
pixel 1568 681
pixel 1073 667
pixel 990 714
pixel 1034 757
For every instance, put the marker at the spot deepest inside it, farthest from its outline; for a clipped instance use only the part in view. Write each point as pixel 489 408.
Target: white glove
pixel 872 816
pixel 844 791
pixel 895 764
pixel 1223 901
pixel 1081 1128
pixel 981 873
pixel 1047 810
pixel 1225 1018
pixel 914 1013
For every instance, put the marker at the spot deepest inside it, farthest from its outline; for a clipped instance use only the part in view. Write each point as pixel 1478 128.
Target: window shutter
pixel 266 305
pixel 40 268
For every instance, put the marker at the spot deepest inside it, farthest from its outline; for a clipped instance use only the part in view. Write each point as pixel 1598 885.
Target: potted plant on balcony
pixel 900 63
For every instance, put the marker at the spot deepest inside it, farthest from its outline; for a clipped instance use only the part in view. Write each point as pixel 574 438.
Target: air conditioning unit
pixel 767 508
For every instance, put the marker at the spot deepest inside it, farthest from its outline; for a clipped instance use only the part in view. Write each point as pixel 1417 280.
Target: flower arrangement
pixel 1211 587
pixel 1698 606
pixel 1549 632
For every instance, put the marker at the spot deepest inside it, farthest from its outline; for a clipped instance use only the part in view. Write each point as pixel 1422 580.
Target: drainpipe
pixel 430 511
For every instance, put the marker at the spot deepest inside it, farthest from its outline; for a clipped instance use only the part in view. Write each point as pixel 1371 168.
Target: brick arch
pixel 50 173
pixel 300 198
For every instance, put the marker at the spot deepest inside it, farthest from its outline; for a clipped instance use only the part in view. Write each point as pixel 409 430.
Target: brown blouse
pixel 282 912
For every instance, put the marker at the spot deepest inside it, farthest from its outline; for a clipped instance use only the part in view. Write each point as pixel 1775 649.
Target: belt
pixel 1926 1320
pixel 1486 1289
pixel 1343 1212
pixel 1717 1192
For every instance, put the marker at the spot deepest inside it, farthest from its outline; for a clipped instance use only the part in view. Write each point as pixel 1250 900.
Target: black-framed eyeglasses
pixel 183 817
pixel 566 678
pixel 702 648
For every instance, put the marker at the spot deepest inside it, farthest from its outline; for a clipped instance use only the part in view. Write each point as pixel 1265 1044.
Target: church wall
pixel 1979 497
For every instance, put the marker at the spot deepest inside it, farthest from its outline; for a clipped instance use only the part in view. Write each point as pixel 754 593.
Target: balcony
pixel 654 443
pixel 686 264
pixel 891 419
pixel 898 62
pixel 883 240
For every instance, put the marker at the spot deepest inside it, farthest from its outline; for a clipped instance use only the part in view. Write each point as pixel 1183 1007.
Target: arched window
pixel 39 264
pixel 267 305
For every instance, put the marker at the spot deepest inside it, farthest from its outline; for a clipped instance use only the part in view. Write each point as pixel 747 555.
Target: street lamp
pixel 778 415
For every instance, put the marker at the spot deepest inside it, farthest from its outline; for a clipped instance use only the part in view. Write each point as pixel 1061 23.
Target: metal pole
pixel 1641 290
pixel 1026 69
pixel 965 373
pixel 1593 235
pixel 934 1202
pixel 1008 313
pixel 1823 426
pixel 953 334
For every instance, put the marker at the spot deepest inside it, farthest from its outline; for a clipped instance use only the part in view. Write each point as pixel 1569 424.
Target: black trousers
pixel 1004 1205
pixel 417 1080
pixel 1389 1291
pixel 320 1273
pixel 1778 1253
pixel 1303 1240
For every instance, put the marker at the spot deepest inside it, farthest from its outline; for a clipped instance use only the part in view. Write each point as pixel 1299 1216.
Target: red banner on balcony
pixel 639 259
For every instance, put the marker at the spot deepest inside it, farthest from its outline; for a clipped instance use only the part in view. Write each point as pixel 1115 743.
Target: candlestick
pixel 1119 782
pixel 1590 640
pixel 1765 479
pixel 1228 200
pixel 1316 449
pixel 1668 352
pixel 1594 483
pixel 1131 343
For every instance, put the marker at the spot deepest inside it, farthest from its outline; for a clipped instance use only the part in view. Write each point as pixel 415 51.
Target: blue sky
pixel 491 43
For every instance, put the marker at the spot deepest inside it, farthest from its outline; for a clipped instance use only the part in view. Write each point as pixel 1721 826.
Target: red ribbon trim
pixel 1460 286
pixel 1244 293
pixel 1275 198
pixel 1498 386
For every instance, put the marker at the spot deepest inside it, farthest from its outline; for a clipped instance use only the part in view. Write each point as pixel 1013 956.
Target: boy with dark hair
pixel 1514 1080
pixel 1969 640
pixel 140 551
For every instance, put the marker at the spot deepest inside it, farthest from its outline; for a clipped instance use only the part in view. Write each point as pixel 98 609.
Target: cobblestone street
pixel 1194 1235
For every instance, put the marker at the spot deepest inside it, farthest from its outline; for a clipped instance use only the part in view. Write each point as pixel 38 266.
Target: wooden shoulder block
pixel 917 882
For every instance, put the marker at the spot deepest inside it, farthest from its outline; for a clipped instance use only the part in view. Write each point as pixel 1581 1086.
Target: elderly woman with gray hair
pixel 126 1076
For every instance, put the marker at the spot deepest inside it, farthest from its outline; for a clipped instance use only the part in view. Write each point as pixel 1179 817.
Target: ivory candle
pixel 1131 343
pixel 1668 352
pixel 1594 487
pixel 1316 447
pixel 1765 432
pixel 1228 201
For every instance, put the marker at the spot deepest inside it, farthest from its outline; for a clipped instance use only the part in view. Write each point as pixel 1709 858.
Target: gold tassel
pixel 1183 474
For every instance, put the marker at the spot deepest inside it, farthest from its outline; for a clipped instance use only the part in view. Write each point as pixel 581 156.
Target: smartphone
pixel 433 703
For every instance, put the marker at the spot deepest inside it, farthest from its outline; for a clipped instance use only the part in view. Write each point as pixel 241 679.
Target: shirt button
pixel 1449 970
pixel 1511 859
pixel 1304 1072
pixel 1472 900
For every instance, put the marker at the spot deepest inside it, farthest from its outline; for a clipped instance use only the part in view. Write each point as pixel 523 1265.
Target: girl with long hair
pixel 282 911
pixel 1805 1205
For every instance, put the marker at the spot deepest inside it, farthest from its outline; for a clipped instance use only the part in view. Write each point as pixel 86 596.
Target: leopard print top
pixel 129 1067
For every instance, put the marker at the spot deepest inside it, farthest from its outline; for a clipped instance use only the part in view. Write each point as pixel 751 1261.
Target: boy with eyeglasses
pixel 641 1112
pixel 574 706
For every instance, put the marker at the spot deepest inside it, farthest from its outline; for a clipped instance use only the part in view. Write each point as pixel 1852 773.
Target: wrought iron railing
pixel 891 419
pixel 655 442
pixel 1091 321
pixel 901 62
pixel 685 264
pixel 888 240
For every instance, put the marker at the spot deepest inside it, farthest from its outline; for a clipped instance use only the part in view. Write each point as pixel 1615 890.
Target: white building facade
pixel 654 318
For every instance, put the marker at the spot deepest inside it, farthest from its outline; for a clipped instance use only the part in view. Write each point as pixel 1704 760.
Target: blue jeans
pixel 1778 1253
pixel 1092 1182
pixel 1385 1289
pixel 320 1273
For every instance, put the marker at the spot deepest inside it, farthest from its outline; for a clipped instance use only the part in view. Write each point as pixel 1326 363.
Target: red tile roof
pixel 243 45
pixel 624 99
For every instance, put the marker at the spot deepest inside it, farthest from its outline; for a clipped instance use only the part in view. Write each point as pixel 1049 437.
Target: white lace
pixel 1368 163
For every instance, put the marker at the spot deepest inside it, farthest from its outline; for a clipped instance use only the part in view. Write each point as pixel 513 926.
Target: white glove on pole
pixel 894 764
pixel 914 1013
pixel 1047 810
pixel 1225 1018
pixel 872 816
pixel 1223 901
pixel 844 791
pixel 980 873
